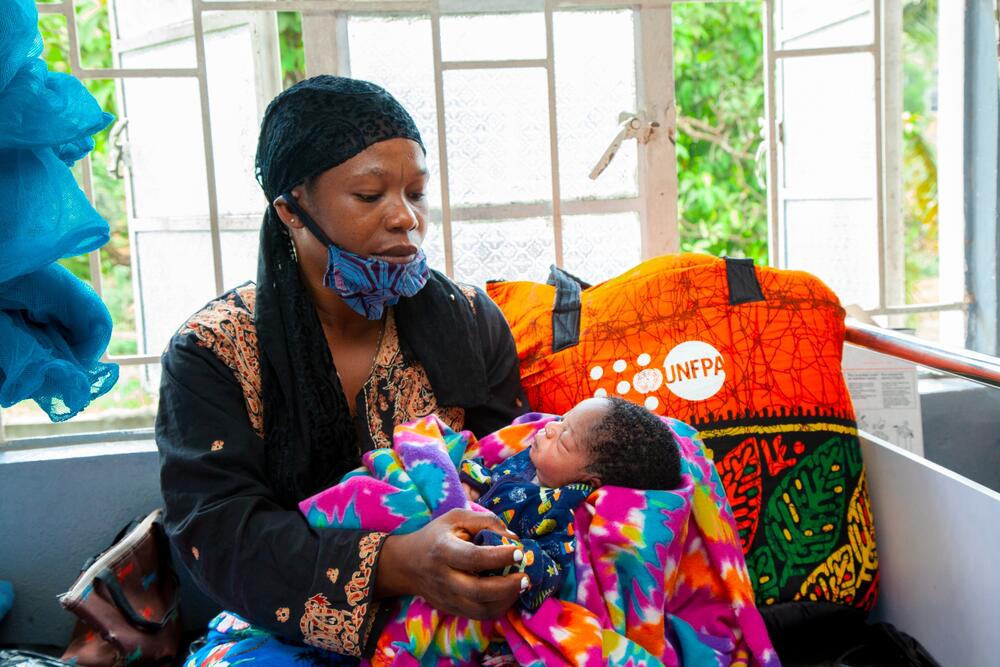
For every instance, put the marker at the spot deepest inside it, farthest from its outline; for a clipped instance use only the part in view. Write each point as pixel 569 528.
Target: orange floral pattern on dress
pixel 225 326
pixel 339 630
pixel 470 293
pixel 332 574
pixel 217 445
pixel 248 294
pixel 282 614
pixel 399 391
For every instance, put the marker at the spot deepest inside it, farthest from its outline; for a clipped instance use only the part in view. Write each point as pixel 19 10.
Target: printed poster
pixel 885 396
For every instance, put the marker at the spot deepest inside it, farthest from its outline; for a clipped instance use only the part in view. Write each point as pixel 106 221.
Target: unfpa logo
pixel 694 370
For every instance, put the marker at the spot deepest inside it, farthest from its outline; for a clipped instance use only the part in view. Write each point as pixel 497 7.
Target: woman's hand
pixel 438 563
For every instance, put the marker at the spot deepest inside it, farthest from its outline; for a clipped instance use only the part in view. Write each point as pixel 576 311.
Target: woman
pixel 272 392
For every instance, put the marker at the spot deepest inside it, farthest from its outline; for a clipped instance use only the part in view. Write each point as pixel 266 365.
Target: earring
pixel 292 221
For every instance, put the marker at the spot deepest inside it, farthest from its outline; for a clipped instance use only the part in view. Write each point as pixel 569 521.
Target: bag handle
pixel 566 309
pixel 110 581
pixel 741 279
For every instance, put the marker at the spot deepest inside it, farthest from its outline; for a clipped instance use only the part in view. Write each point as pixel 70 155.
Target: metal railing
pixel 980 368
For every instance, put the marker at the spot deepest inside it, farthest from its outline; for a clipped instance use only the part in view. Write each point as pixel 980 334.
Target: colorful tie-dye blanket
pixel 658 578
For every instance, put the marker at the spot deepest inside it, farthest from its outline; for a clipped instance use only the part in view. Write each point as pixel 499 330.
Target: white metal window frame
pixel 885 50
pixel 657 168
pixel 655 98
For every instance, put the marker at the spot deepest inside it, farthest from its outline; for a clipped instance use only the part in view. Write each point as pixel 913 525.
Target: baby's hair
pixel 632 447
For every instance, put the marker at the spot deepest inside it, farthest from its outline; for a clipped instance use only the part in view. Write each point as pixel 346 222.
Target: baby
pixel 601 441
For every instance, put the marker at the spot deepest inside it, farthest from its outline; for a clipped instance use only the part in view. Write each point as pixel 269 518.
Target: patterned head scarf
pixel 320 123
pixel 313 126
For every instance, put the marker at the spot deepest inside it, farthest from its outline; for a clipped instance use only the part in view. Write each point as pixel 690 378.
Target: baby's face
pixel 560 453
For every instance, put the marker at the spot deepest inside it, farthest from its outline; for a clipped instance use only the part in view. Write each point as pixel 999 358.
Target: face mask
pixel 366 284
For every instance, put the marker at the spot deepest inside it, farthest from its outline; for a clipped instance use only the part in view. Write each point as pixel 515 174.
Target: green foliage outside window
pixel 293 55
pixel 719 83
pixel 920 204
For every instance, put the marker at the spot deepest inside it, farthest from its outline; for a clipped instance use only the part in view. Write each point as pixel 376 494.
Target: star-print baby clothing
pixel 540 516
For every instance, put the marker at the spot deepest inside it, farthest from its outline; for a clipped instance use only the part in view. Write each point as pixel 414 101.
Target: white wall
pixel 938 537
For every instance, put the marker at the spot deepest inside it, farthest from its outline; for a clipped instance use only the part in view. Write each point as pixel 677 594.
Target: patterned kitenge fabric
pixel 658 576
pixel 370 285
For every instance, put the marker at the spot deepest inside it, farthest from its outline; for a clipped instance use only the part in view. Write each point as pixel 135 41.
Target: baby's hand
pixel 470 492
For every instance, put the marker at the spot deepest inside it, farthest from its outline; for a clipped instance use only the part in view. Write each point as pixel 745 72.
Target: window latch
pixel 118 156
pixel 630 126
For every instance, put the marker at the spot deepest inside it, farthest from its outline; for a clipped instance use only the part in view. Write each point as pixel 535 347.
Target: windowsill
pixel 39 450
pixel 92 425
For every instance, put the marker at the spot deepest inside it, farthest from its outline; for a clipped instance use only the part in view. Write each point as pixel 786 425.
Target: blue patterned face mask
pixel 366 284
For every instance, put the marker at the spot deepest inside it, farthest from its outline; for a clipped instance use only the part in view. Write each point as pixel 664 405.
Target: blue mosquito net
pixel 53 327
pixel 54 330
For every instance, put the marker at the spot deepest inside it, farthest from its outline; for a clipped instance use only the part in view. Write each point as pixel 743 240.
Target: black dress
pixel 251 553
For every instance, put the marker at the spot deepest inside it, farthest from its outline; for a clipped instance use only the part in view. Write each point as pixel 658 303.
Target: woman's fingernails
pixel 524 583
pixel 518 555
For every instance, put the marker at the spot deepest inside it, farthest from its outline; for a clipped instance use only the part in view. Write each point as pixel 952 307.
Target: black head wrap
pixel 321 122
pixel 311 441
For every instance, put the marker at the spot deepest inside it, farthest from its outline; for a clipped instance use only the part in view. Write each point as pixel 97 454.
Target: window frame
pixel 657 169
pixel 657 166
pixel 886 52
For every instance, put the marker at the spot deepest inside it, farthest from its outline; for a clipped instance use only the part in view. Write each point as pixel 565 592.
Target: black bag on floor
pixel 840 637
pixel 885 646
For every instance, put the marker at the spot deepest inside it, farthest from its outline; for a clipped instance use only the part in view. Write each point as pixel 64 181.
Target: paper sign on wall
pixel 885 396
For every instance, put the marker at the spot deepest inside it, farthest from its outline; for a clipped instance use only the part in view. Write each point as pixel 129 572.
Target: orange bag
pixel 749 356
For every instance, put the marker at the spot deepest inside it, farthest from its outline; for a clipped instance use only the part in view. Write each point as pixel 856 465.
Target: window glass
pixel 498 136
pixel 503 250
pixel 807 24
pixel 598 247
pixel 493 37
pixel 828 175
pixel 131 404
pixel 149 33
pixel 920 162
